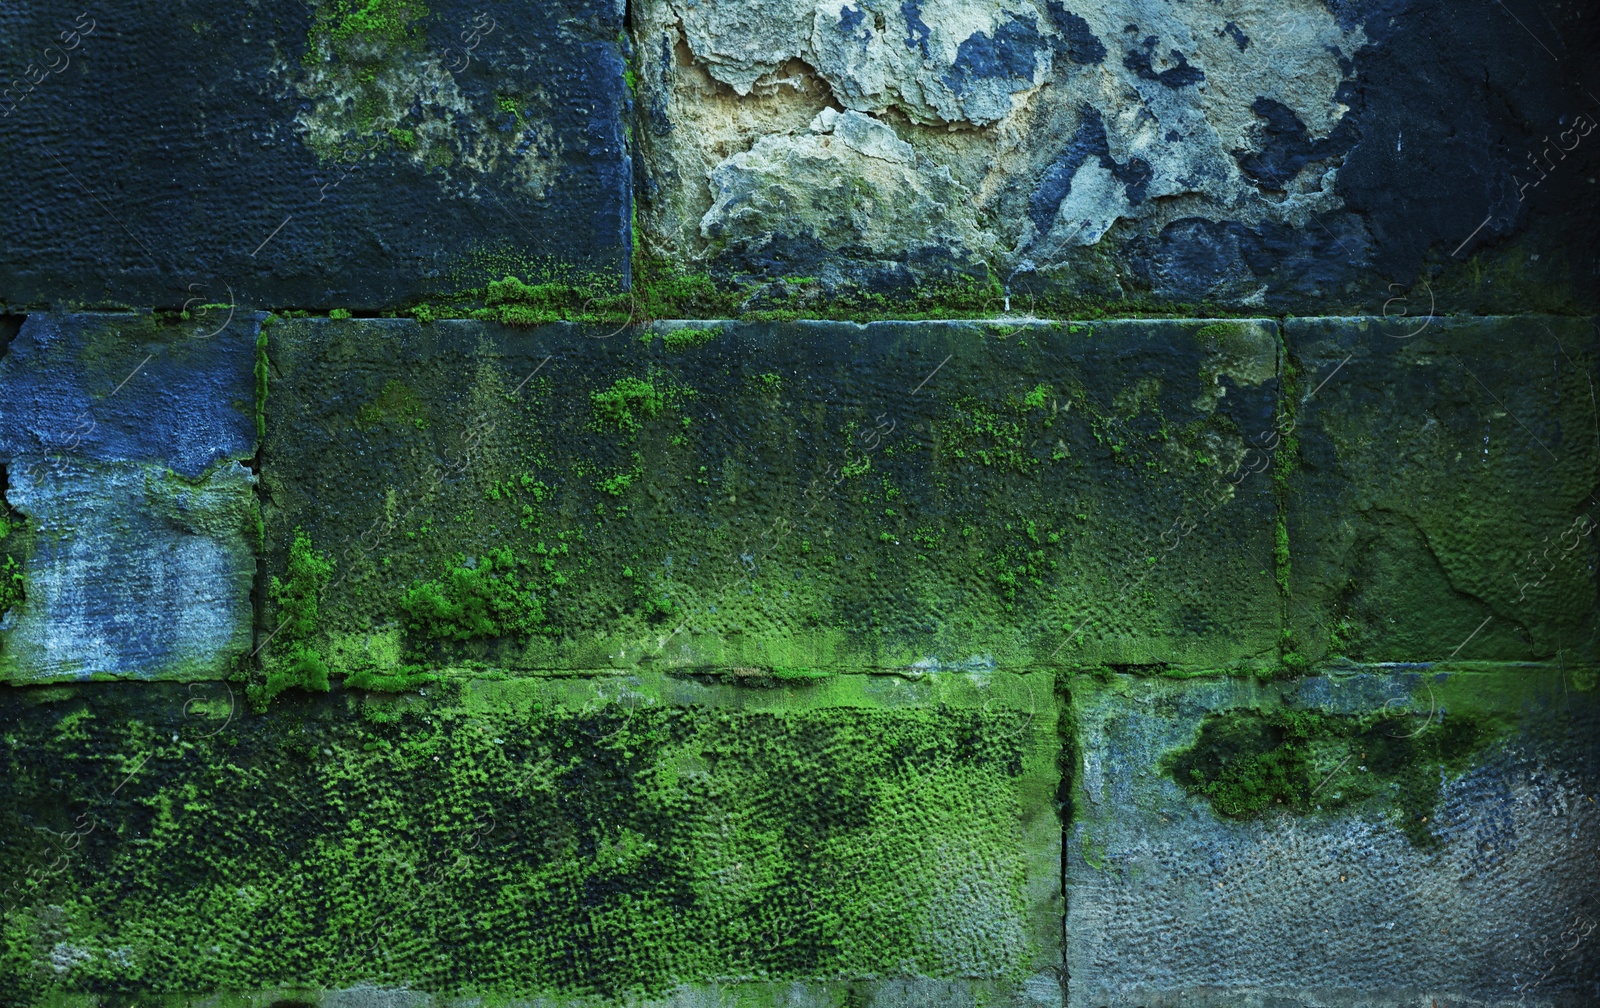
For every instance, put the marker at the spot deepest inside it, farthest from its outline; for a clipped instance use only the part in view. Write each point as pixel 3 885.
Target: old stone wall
pixel 777 504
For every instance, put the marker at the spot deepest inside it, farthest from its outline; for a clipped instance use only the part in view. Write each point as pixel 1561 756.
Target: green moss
pixel 486 599
pixel 1246 762
pixel 261 374
pixel 395 404
pixel 688 337
pixel 617 405
pixel 346 22
pixel 294 661
pixel 1000 438
pixel 663 289
pixel 617 484
pixel 560 851
pixel 339 313
pixel 516 302
pixel 13 585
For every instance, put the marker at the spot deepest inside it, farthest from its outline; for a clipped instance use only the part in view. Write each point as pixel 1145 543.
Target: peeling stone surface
pixel 1172 905
pixel 1183 152
pixel 848 189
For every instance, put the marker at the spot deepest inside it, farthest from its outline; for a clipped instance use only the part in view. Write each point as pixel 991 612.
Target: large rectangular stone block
pixel 1446 499
pixel 130 517
pixel 338 154
pixel 769 499
pixel 635 839
pixel 1374 839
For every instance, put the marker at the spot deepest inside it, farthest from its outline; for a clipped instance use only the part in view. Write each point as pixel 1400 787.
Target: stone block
pixel 1445 501
pixel 1236 153
pixel 337 154
pixel 1374 839
pixel 631 839
pixel 770 500
pixel 131 520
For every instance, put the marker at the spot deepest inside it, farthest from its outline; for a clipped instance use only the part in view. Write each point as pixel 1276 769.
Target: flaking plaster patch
pixel 1060 120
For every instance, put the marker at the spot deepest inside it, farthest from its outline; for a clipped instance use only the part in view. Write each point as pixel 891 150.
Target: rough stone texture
pixel 1173 905
pixel 1449 489
pixel 623 839
pixel 781 499
pixel 134 572
pixel 316 155
pixel 1237 152
pixel 124 443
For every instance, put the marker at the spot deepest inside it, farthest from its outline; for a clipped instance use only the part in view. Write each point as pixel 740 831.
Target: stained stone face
pixel 135 571
pixel 1446 498
pixel 792 500
pixel 800 504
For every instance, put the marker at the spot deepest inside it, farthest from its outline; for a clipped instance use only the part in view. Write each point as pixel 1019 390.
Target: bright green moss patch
pixel 374 22
pixel 475 599
pixel 688 337
pixel 1002 438
pixel 294 660
pixel 1247 762
pixel 515 302
pixel 617 404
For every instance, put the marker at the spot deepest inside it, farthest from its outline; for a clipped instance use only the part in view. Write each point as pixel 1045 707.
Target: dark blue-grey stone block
pixel 126 388
pixel 291 155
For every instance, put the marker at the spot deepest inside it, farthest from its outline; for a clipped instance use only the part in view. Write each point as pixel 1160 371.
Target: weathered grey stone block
pixel 1446 501
pixel 336 154
pixel 1374 839
pixel 134 571
pixel 125 443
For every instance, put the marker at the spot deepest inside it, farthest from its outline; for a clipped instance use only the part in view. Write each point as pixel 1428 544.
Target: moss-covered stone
pixel 904 496
pixel 1446 493
pixel 1237 835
